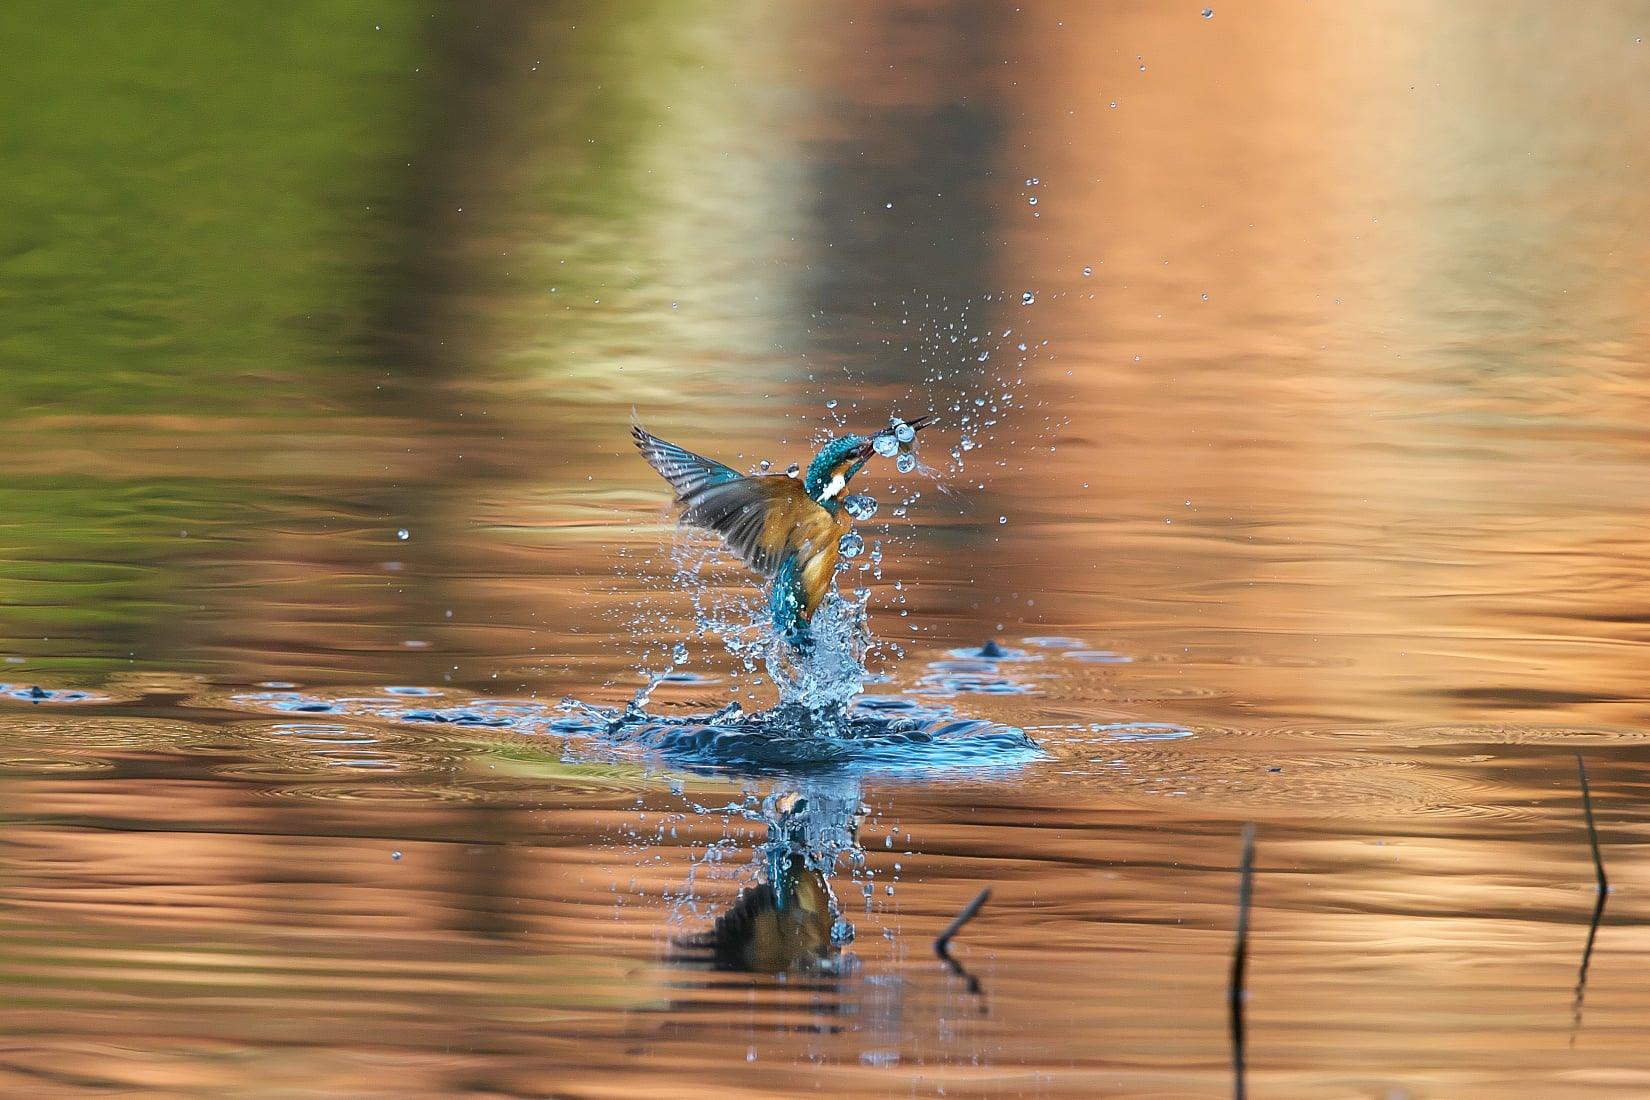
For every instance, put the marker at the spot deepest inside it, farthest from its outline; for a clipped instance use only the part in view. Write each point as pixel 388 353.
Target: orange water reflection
pixel 1334 460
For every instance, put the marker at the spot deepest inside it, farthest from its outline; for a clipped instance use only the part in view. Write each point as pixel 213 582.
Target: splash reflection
pixel 790 920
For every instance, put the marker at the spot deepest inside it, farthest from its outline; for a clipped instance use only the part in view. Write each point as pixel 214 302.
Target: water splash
pixel 815 718
pixel 823 719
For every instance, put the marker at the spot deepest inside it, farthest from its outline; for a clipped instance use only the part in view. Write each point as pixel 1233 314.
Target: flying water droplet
pixel 860 506
pixel 831 404
pixel 1027 298
pixel 905 433
pixel 885 445
pixel 851 545
pixel 905 463
pixel 793 470
pixel 1208 13
pixel 1087 271
pixel 403 534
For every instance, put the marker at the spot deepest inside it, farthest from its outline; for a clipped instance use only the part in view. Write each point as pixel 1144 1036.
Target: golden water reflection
pixel 1325 451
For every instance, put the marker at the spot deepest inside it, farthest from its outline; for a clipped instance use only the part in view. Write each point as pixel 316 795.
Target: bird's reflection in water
pixel 790 921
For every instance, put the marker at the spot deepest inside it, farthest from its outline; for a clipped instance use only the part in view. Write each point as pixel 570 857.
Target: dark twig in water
pixel 1603 887
pixel 1592 827
pixel 942 942
pixel 1236 993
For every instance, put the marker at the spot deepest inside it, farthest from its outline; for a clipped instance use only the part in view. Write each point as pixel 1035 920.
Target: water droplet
pixel 905 463
pixel 764 465
pixel 1204 296
pixel 1208 13
pixel 851 545
pixel 860 506
pixel 395 855
pixel 885 445
pixel 403 534
pixel 1002 519
pixel 793 470
pixel 831 404
pixel 1087 271
pixel 1032 201
pixel 905 433
pixel 1027 298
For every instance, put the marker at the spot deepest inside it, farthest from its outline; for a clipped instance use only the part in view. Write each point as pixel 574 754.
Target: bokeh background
pixel 282 283
pixel 1312 340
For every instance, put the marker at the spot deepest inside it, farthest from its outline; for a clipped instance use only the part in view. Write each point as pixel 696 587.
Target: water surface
pixel 1313 498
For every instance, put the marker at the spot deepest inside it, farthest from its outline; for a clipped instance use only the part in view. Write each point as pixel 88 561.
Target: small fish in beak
pixel 899 438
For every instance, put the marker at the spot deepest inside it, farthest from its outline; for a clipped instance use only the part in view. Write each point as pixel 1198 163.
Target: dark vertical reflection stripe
pixel 907 228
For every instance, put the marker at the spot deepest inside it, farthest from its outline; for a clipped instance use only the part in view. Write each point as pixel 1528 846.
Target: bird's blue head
pixel 836 462
pixel 843 457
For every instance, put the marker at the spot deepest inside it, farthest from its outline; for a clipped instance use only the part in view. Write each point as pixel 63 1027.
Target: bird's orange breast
pixel 817 571
pixel 796 524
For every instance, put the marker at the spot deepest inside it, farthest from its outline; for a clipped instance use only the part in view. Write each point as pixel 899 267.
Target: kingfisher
pixel 787 528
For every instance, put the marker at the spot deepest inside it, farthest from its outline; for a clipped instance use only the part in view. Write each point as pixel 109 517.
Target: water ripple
pixel 875 733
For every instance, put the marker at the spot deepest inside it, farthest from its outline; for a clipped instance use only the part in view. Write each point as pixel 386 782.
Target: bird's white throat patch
pixel 838 483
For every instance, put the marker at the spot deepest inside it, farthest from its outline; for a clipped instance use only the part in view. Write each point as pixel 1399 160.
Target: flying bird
pixel 787 528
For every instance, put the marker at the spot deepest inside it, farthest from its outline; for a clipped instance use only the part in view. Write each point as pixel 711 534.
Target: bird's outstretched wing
pixel 689 474
pixel 764 519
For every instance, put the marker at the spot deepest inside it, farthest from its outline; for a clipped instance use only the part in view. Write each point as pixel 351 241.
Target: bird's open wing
pixel 689 474
pixel 764 519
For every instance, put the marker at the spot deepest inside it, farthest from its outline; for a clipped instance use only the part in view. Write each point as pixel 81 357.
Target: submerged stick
pixel 942 942
pixel 1236 993
pixel 1592 827
pixel 1602 884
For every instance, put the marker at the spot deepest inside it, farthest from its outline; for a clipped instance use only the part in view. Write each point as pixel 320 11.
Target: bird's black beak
pixel 920 422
